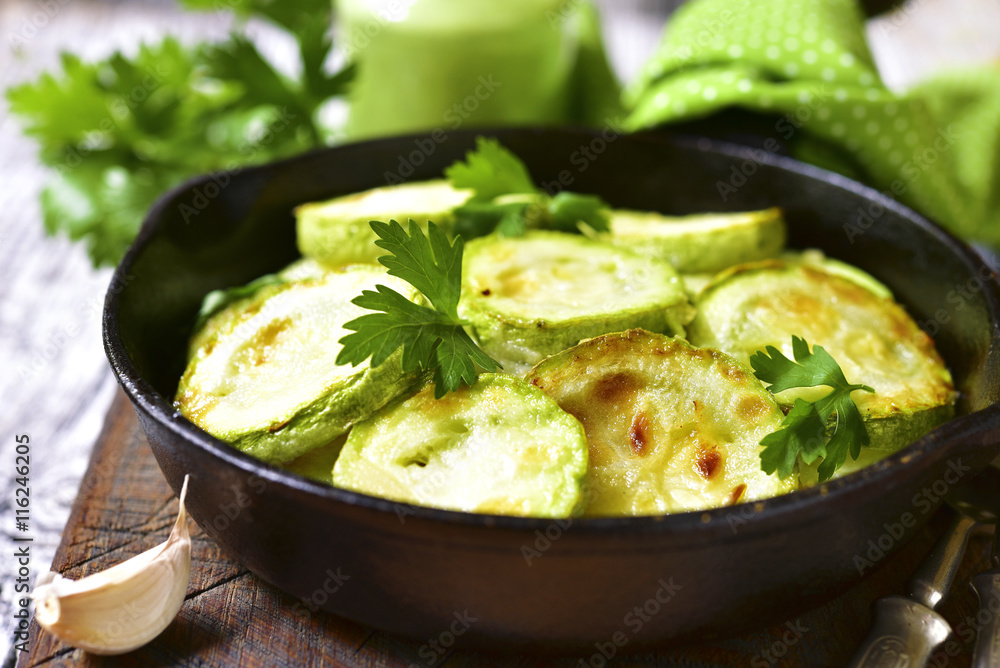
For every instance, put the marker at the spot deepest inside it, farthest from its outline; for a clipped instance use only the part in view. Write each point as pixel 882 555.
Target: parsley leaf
pixel 505 199
pixel 120 132
pixel 431 265
pixel 431 337
pixel 490 171
pixel 477 219
pixel 803 431
pixel 567 209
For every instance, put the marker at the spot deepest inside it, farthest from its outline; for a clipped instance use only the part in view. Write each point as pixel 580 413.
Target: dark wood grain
pixel 231 618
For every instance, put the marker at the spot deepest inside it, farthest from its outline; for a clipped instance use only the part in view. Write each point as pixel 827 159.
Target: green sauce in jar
pixel 426 64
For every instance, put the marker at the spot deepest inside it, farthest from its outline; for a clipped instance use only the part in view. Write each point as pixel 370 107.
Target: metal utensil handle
pixel 904 633
pixel 937 571
pixel 987 651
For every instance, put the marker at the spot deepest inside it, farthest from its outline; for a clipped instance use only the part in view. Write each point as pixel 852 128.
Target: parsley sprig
pixel 803 431
pixel 119 132
pixel 431 337
pixel 505 200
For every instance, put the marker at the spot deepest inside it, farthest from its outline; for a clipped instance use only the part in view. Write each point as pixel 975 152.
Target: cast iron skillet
pixel 539 583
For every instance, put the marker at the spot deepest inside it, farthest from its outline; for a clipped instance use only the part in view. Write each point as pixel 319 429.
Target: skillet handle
pixel 987 650
pixel 904 633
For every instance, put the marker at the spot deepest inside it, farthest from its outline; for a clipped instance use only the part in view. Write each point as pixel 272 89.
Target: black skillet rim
pixel 767 513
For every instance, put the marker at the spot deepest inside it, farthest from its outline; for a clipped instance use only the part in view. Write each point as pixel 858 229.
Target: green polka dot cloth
pixel 935 148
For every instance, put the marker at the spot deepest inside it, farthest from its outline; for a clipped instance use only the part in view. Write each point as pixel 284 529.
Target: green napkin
pixel 935 148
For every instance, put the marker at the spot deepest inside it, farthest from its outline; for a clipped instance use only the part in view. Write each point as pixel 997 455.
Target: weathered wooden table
pixel 231 617
pixel 56 386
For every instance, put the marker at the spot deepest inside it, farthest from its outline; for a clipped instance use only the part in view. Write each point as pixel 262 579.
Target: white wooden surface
pixel 55 384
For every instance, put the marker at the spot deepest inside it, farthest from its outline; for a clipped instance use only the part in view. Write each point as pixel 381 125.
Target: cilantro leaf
pixel 803 431
pixel 490 171
pixel 506 201
pixel 432 338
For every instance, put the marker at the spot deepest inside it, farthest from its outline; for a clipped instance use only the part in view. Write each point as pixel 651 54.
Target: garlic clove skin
pixel 124 607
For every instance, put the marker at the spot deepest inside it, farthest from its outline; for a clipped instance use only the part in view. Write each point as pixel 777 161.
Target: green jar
pixel 427 64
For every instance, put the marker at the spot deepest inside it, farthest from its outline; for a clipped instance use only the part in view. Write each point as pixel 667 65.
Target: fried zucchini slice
pixel 695 283
pixel 307 268
pixel 814 257
pixel 871 336
pixel 263 376
pixel 336 232
pixel 671 428
pixel 700 243
pixel 535 295
pixel 499 446
pixel 317 464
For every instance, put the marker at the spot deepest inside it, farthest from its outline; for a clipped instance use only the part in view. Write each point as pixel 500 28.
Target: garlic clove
pixel 124 607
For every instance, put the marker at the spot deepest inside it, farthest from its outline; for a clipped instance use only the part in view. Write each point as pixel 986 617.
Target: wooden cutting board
pixel 232 618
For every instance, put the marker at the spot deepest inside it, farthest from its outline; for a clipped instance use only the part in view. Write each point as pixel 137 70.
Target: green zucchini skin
pixel 336 232
pixel 499 446
pixel 317 464
pixel 871 336
pixel 815 258
pixel 262 373
pixel 535 295
pixel 695 283
pixel 671 427
pixel 702 243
